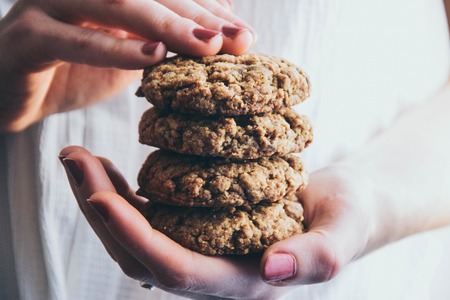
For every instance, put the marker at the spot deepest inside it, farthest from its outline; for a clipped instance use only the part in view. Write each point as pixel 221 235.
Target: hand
pixel 342 225
pixel 58 55
pixel 337 215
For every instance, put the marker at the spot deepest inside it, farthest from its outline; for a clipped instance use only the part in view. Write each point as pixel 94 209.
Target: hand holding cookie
pixel 51 44
pixel 339 229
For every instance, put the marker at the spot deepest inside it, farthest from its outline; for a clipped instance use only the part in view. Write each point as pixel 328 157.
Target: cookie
pixel 183 180
pixel 242 137
pixel 224 84
pixel 228 231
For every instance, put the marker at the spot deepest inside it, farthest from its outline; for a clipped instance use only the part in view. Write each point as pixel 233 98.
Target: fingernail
pixel 250 28
pixel 279 266
pixel 244 25
pixel 74 169
pixel 231 30
pixel 61 158
pixel 150 48
pixel 204 34
pixel 99 209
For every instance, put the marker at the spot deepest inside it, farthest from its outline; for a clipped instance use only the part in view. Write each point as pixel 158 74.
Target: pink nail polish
pixel 231 30
pixel 74 170
pixel 279 266
pixel 248 27
pixel 204 34
pixel 150 48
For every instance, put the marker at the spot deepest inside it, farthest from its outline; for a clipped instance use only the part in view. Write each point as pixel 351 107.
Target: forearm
pixel 409 168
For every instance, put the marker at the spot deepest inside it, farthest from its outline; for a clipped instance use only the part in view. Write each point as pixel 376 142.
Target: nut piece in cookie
pixel 183 180
pixel 213 231
pixel 243 137
pixel 224 84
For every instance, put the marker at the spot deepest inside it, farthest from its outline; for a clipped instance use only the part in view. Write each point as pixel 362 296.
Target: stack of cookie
pixel 224 179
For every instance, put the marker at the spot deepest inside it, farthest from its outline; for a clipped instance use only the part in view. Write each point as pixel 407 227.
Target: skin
pixel 71 54
pixel 349 201
pixel 346 204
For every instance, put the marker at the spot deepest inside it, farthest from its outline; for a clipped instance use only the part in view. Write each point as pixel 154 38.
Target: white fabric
pixel 368 61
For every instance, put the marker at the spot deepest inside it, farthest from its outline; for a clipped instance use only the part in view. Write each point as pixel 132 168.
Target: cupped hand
pixel 339 230
pixel 341 220
pixel 61 55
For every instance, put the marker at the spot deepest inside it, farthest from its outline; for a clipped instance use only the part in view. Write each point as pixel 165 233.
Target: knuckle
pixel 24 26
pixel 179 278
pixel 130 270
pixel 215 9
pixel 25 32
pixel 165 22
pixel 201 17
pixel 83 41
pixel 226 3
pixel 327 265
pixel 179 282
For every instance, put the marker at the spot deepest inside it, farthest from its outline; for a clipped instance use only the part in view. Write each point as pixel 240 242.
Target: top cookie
pixel 225 84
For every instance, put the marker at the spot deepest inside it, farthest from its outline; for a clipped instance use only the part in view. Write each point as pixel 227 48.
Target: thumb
pixel 340 220
pixel 302 259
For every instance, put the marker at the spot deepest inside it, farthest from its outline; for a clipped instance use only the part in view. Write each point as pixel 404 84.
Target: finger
pixel 148 19
pixel 53 40
pixel 134 244
pixel 121 185
pixel 236 39
pixel 226 3
pixel 319 254
pixel 215 8
pixel 304 259
pixel 90 46
pixel 81 166
pixel 127 263
pixel 121 226
pixel 81 169
pixel 115 176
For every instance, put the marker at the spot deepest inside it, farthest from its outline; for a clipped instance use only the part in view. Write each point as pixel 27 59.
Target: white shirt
pixel 368 61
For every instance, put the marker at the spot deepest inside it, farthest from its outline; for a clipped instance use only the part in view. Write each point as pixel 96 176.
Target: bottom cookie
pixel 228 231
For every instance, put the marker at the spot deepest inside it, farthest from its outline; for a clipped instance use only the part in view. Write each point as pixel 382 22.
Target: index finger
pixel 148 19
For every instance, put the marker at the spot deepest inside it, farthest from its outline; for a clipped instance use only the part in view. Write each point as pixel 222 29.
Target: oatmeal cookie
pixel 242 137
pixel 184 180
pixel 213 231
pixel 224 84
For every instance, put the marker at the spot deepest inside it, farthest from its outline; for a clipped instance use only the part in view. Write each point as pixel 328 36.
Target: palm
pixel 74 86
pixel 58 88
